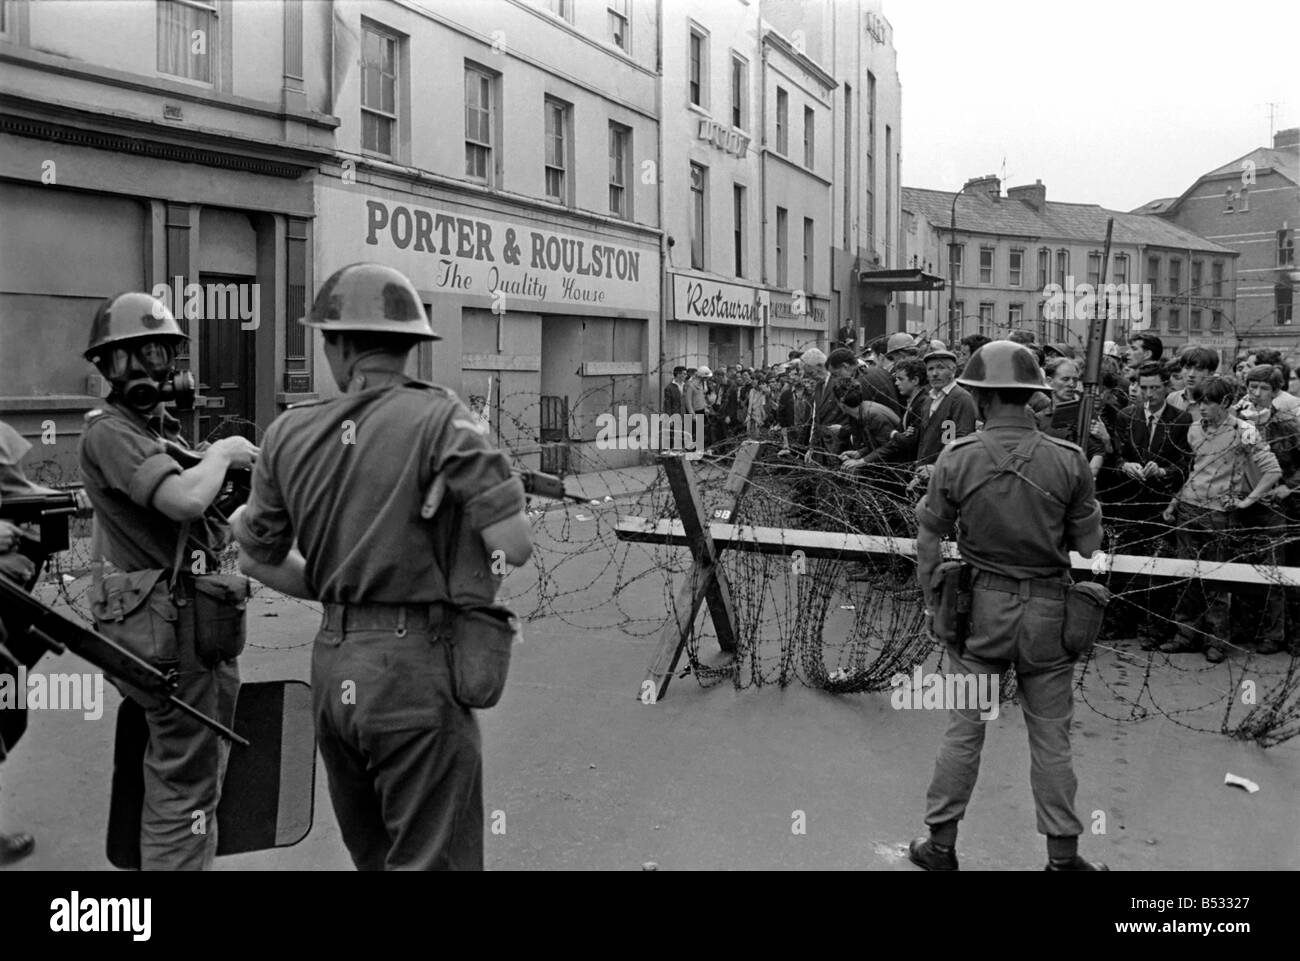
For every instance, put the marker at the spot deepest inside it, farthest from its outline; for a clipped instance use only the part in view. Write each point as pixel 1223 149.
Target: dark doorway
pixel 226 363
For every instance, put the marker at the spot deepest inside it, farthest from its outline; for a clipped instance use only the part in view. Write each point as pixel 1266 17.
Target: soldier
pixel 152 523
pixel 344 479
pixel 1019 502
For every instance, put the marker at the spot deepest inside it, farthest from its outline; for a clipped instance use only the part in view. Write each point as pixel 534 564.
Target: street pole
pixel 952 263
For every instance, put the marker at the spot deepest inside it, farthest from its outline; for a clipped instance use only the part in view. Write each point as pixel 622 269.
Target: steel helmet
pixel 899 341
pixel 370 297
pixel 130 317
pixel 1003 363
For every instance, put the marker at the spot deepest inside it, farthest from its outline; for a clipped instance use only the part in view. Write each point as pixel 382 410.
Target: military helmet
pixel 1003 363
pixel 370 297
pixel 899 341
pixel 131 317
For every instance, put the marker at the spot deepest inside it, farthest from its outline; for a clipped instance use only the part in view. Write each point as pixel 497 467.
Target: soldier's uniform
pixel 345 480
pixel 1019 502
pixel 123 462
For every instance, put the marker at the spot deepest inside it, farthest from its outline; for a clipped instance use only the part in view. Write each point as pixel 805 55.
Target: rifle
pixel 234 490
pixel 51 512
pixel 33 628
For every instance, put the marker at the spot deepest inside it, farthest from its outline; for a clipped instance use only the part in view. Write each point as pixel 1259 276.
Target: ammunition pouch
pixel 220 603
pixel 135 609
pixel 950 586
pixel 1085 608
pixel 479 644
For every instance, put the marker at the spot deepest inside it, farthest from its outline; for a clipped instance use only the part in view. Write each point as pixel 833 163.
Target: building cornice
pixel 23 126
pixel 775 40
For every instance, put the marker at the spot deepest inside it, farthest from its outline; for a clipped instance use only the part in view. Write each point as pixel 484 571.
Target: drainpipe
pixel 762 185
pixel 665 291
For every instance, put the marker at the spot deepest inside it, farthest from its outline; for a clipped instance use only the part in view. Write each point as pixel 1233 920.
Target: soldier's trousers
pixel 403 759
pixel 1023 629
pixel 184 765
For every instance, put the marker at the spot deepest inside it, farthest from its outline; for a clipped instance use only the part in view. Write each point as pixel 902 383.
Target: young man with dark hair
pixel 1153 458
pixel 1226 452
pixel 967 346
pixel 1144 348
pixel 1199 364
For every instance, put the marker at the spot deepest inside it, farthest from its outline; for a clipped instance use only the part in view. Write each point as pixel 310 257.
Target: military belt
pixel 1053 587
pixel 398 618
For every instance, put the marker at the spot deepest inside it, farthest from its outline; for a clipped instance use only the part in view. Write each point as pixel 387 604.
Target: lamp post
pixel 952 257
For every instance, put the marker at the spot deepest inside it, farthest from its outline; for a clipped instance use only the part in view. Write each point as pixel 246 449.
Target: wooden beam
pixel 848 547
pixel 707 581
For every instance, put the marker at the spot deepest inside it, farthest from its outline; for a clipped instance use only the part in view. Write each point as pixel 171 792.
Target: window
pixel 698 69
pixel 809 133
pixel 1175 319
pixel 1194 320
pixel 1285 248
pixel 1282 303
pixel 620 170
pixel 808 265
pixel 1094 269
pixel 782 247
pixel 957 324
pixel 1015 267
pixel 1062 266
pixel 556 140
pixel 739 91
pixel 561 8
pixel 1216 278
pixel 1175 276
pixel 378 91
pixel 1216 321
pixel 1153 272
pixel 479 126
pixel 618 25
pixel 1229 201
pixel 187 37
pixel 1121 269
pixel 986 265
pixel 1044 268
pixel 955 259
pixel 986 320
pixel 738 227
pixel 697 216
pixel 1015 315
pixel 782 122
pixel 1245 200
pixel 1042 320
pixel 1155 319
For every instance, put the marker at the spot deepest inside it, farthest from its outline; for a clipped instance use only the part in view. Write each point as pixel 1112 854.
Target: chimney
pixel 988 184
pixel 1034 194
pixel 1286 138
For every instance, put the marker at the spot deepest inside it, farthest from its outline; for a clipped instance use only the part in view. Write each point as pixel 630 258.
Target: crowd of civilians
pixel 1189 461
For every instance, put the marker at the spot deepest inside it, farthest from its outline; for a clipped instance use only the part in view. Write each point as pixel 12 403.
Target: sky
pixel 1113 102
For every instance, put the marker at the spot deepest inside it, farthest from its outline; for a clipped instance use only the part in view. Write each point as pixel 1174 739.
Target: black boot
pixel 924 853
pixel 1075 863
pixel 15 847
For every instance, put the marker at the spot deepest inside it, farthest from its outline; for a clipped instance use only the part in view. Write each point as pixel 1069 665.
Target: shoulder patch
pixel 963 440
pixel 307 403
pixel 1061 442
pixel 92 414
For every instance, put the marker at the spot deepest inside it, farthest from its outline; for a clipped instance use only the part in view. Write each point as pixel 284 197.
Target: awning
pixel 906 279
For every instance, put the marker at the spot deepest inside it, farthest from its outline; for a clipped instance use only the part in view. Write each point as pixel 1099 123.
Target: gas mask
pixel 143 374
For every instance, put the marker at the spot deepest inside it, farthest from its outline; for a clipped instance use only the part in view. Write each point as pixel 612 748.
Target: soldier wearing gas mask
pixel 154 526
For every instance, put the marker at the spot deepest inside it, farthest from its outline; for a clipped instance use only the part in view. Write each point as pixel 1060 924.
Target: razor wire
pixel 845 625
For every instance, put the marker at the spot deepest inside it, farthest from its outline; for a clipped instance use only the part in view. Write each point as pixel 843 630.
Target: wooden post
pixel 707 580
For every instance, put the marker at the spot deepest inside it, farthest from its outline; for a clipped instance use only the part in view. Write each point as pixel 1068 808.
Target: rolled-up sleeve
pixel 1083 515
pixel 264 530
pixel 478 476
pixel 937 512
pixel 130 461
